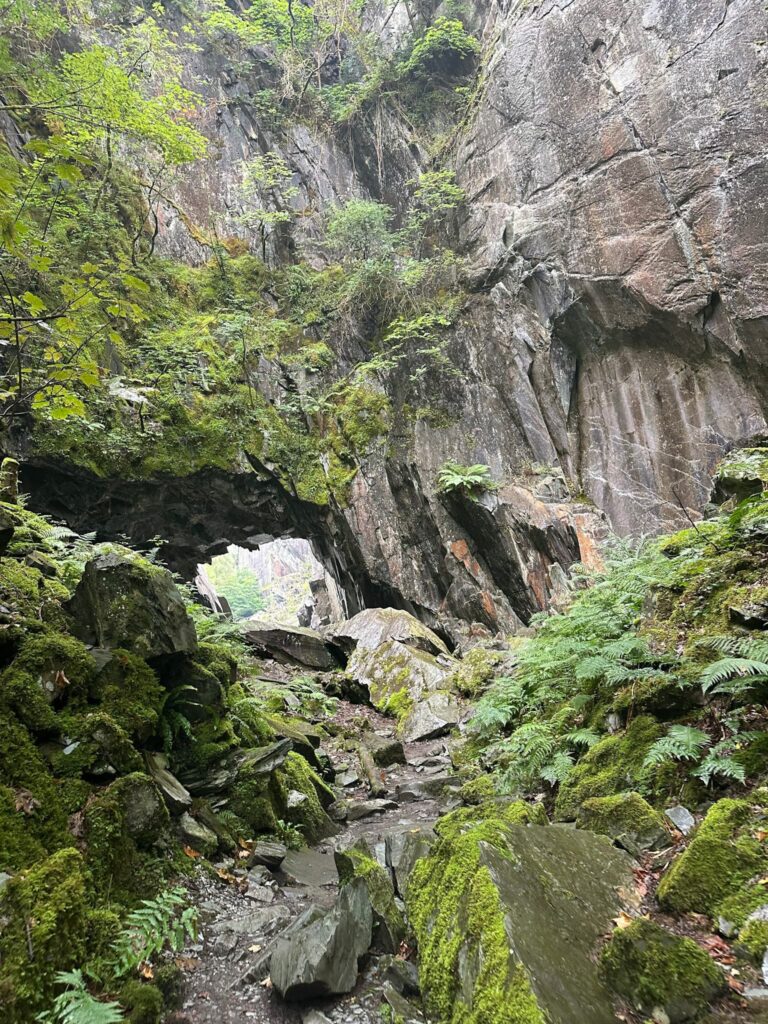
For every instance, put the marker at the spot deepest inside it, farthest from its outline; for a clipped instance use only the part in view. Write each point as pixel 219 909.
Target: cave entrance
pixel 281 581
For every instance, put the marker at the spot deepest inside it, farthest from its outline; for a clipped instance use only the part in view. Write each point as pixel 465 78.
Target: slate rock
pixel 296 645
pixel 681 818
pixel 358 809
pixel 320 956
pixel 626 818
pixel 385 750
pixel 403 848
pixel 425 789
pixel 177 798
pixel 268 854
pixel 197 835
pixel 123 600
pixel 372 627
pixel 358 860
pixel 433 716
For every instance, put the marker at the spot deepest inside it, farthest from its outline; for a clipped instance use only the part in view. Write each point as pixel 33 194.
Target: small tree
pixel 359 231
pixel 266 193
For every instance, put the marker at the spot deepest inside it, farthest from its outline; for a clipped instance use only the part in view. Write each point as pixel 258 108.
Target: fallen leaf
pixel 255 949
pixel 734 985
pixel 623 920
pixel 145 970
pixel 267 983
pixel 761 835
pixel 25 802
pixel 191 853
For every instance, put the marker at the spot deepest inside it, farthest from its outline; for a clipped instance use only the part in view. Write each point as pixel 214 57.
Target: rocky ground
pixel 244 912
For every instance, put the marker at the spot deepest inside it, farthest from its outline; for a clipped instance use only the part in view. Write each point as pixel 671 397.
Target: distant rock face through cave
pixel 611 344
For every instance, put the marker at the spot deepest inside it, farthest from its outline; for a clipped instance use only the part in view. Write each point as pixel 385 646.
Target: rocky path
pixel 244 912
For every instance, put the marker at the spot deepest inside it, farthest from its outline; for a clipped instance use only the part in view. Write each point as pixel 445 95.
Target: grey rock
pixel 314 1017
pixel 358 809
pixel 320 958
pixel 197 835
pixel 4 879
pixel 681 818
pixel 310 867
pixel 267 854
pixel 264 922
pixel 404 1009
pixel 433 716
pixel 293 644
pixel 372 627
pixel 178 799
pixel 338 811
pixel 123 601
pixel 425 789
pixel 384 750
pixel 403 848
pixel 347 778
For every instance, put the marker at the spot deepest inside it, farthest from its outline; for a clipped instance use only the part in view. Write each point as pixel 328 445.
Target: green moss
pixel 309 816
pixel 753 940
pixel 26 590
pixel 476 670
pixel 399 704
pixel 612 766
pixel 48 909
pixel 627 818
pixel 720 858
pixel 737 908
pixel 655 969
pixel 357 862
pixel 122 825
pixel 476 791
pixel 144 1002
pixel 130 693
pixel 24 772
pixel 455 912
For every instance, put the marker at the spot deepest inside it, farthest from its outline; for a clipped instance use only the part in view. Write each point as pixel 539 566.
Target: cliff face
pixel 612 344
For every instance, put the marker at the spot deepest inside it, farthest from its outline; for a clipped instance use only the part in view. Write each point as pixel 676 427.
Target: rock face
pixel 126 602
pixel 612 334
pixel 295 645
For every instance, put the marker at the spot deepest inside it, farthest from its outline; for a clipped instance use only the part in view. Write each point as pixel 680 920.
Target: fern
pixel 582 738
pixel 76 1005
pixel 164 921
pixel 744 666
pixel 682 743
pixel 455 477
pixel 720 762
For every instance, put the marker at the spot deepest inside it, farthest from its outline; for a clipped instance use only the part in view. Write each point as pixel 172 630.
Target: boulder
pixel 270 855
pixel 122 600
pixel 681 818
pixel 358 809
pixel 197 835
pixel 385 750
pixel 512 914
pixel 358 861
pixel 433 716
pixel 319 954
pixel 370 628
pixel 426 789
pixel 294 645
pixel 660 973
pixel 396 676
pixel 628 819
pixel 404 848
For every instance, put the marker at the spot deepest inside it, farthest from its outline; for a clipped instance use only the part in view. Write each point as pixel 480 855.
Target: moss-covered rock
pixel 122 600
pixel 659 972
pixel 472 902
pixel 357 861
pixel 47 912
pixel 614 765
pixel 129 691
pixel 143 1001
pixel 627 818
pixel 122 825
pixel 721 857
pixel 308 814
pixel 475 671
pixel 478 790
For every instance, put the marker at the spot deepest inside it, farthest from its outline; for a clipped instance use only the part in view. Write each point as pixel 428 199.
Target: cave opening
pixel 280 580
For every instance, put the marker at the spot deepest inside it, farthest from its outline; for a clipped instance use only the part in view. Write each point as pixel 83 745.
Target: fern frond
pixel 682 743
pixel 726 668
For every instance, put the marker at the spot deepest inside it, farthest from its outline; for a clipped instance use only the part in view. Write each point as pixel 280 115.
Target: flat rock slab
pixel 258 922
pixel 425 789
pixel 372 627
pixel 294 644
pixel 358 809
pixel 269 855
pixel 310 867
pixel 433 716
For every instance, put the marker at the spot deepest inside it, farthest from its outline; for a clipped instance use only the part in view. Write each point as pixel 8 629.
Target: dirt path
pixel 224 973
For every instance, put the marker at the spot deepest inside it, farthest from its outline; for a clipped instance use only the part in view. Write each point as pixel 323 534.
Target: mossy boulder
pixel 476 670
pixel 626 818
pixel 123 826
pixel 129 691
pixel 508 916
pixel 658 972
pixel 46 910
pixel 358 861
pixel 122 600
pixel 298 777
pixel 721 858
pixel 394 667
pixel 614 765
pixel 143 1002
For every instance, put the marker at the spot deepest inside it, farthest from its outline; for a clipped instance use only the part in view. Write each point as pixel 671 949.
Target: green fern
pixel 682 743
pixel 164 921
pixel 472 479
pixel 744 666
pixel 719 762
pixel 76 1005
pixel 582 738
